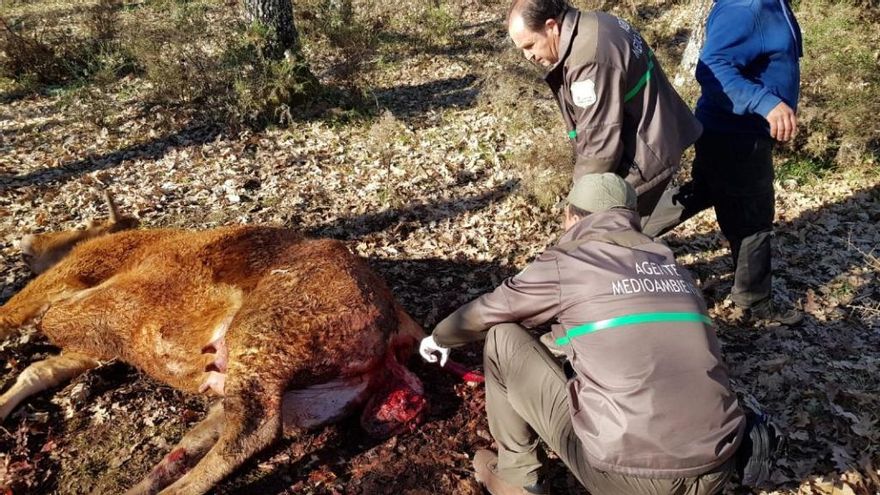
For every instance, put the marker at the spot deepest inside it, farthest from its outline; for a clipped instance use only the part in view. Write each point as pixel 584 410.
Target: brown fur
pixel 45 250
pixel 299 312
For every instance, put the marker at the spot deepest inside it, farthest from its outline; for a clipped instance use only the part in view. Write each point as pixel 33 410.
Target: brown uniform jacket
pixel 621 112
pixel 649 396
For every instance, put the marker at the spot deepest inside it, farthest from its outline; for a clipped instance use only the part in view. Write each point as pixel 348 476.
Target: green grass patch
pixel 79 43
pixel 840 82
pixel 803 169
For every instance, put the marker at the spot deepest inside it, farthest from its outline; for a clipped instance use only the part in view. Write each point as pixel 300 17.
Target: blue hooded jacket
pixel 749 64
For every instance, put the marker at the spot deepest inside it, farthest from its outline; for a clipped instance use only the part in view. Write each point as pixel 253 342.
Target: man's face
pixel 540 47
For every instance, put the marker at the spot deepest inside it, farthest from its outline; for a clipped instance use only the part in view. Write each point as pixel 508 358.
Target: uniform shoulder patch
pixel 583 93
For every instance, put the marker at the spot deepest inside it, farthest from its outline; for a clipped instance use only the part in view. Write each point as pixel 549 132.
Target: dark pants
pixel 526 401
pixel 734 174
pixel 648 203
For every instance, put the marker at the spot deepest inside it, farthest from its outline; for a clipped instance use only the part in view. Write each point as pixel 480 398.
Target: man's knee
pixel 503 342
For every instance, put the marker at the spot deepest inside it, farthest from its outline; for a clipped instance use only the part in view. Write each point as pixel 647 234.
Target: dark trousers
pixel 734 174
pixel 527 401
pixel 649 202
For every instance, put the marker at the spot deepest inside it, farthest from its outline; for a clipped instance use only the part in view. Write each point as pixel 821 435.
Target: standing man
pixel 749 74
pixel 621 113
pixel 642 405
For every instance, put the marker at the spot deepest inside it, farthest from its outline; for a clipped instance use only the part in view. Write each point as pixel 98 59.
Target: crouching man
pixel 642 403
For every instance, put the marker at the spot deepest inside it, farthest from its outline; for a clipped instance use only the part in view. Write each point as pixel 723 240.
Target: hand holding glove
pixel 428 348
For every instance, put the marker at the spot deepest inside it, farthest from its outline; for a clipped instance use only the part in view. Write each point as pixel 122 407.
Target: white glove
pixel 427 349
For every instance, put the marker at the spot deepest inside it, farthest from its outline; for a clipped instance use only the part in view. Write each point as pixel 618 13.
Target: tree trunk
pixel 277 16
pixel 685 75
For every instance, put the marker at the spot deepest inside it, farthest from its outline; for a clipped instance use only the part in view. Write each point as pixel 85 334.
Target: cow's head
pixel 41 251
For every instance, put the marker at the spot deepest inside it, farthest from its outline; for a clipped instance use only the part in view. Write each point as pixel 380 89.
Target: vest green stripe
pixel 634 91
pixel 636 319
pixel 644 80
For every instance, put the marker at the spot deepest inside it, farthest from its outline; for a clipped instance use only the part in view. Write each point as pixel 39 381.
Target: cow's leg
pixel 42 375
pixel 410 333
pixel 408 326
pixel 189 451
pixel 252 423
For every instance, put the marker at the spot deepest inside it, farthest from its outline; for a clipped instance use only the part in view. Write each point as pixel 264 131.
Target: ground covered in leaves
pixel 426 191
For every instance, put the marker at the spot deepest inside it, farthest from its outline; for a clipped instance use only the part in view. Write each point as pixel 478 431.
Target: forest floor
pixel 427 194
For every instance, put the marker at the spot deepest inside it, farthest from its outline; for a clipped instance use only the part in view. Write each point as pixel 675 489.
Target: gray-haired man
pixel 642 405
pixel 621 113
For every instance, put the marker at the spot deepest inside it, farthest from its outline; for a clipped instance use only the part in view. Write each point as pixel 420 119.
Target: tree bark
pixel 277 16
pixel 699 12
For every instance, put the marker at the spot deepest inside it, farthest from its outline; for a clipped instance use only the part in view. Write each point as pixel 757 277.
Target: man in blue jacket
pixel 749 76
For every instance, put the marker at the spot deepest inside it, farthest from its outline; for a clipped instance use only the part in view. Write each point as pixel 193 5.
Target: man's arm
pixel 531 297
pixel 597 91
pixel 732 42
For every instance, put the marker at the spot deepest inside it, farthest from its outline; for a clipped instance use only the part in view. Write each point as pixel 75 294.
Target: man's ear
pixel 551 27
pixel 568 217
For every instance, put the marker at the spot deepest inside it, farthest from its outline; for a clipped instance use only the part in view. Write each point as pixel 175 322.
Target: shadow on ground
pixel 349 228
pixel 408 101
pixel 153 149
pixel 799 245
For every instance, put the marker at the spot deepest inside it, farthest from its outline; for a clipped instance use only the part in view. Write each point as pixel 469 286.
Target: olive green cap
pixel 600 192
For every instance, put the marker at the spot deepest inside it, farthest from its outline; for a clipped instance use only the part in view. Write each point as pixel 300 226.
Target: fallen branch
pixel 866 309
pixel 870 257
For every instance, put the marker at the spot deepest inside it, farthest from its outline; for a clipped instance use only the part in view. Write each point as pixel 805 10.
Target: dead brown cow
pixel 291 332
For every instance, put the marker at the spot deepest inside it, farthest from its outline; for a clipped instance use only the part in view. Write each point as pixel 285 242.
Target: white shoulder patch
pixel 583 93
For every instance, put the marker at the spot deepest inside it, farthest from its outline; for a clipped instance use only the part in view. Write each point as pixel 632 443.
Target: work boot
pixel 767 312
pixel 758 450
pixel 485 471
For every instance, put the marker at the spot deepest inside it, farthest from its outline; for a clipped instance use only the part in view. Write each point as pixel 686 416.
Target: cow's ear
pixel 111 205
pixel 116 221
